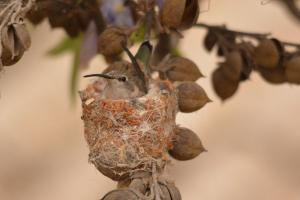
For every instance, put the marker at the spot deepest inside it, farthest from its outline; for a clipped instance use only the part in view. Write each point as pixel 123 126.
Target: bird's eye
pixel 122 78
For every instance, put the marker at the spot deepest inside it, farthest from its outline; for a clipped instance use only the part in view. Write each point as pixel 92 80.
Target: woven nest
pixel 129 135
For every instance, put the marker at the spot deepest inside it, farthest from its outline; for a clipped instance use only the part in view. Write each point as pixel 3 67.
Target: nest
pixel 129 135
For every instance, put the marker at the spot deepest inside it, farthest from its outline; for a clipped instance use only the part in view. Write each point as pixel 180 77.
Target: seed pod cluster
pixel 184 72
pixel 71 15
pixel 276 65
pixel 269 58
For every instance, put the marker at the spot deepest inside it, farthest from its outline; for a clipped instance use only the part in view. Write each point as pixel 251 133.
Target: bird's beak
pixel 119 78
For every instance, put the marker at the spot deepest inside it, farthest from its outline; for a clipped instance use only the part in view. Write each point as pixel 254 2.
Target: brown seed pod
pixel 247 51
pixel 11 49
pixel 179 14
pixel 37 14
pixel 275 76
pixel 123 134
pixel 139 184
pixel 121 194
pixel 181 69
pixel 267 54
pixel 170 192
pixel 22 36
pixel 191 97
pixel 173 191
pixel 292 70
pixel 210 40
pixel 233 65
pixel 186 145
pixel 8 40
pixel 72 16
pixel 110 41
pixel 8 60
pixel 223 87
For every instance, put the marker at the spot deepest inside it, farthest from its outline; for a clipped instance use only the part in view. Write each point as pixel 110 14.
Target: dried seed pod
pixel 210 40
pixel 181 69
pixel 267 54
pixel 37 14
pixel 191 97
pixel 174 192
pixel 275 76
pixel 110 41
pixel 170 192
pixel 179 14
pixel 22 35
pixel 115 130
pixel 247 50
pixel 11 49
pixel 292 70
pixel 186 144
pixel 121 194
pixel 138 184
pixel 7 59
pixel 165 192
pixel 223 87
pixel 8 40
pixel 72 16
pixel 233 65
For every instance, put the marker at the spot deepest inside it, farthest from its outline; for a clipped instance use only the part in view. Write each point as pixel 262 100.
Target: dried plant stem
pixel 240 33
pixel 220 30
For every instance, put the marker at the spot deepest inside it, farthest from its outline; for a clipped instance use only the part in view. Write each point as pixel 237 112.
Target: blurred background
pixel 252 140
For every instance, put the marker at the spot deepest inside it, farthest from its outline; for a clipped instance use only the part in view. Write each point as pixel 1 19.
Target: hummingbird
pixel 128 81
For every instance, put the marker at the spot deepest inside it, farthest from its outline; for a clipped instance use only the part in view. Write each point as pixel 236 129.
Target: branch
pixel 292 7
pixel 240 33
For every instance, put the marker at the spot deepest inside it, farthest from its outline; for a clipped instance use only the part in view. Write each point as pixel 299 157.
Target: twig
pixel 219 30
pixel 240 33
